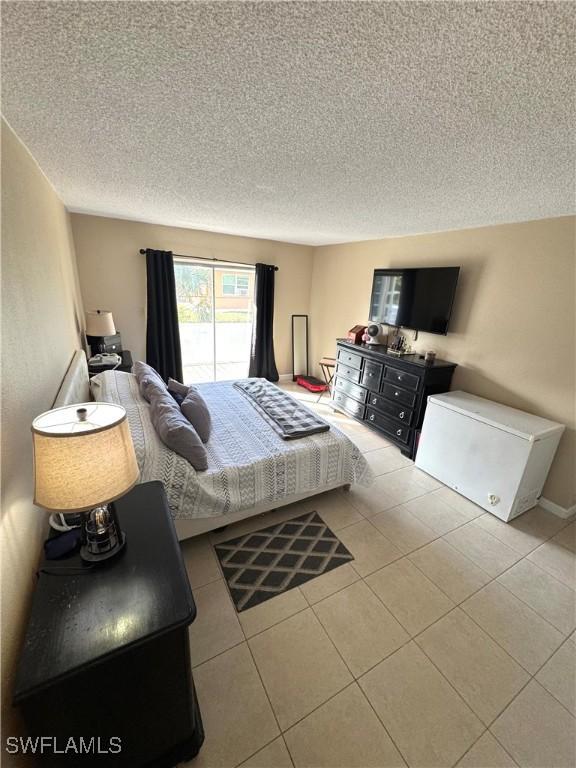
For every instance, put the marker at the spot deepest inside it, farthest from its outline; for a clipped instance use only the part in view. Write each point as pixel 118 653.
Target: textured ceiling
pixel 310 122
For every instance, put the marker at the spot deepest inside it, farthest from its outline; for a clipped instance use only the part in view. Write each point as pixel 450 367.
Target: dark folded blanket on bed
pixel 288 417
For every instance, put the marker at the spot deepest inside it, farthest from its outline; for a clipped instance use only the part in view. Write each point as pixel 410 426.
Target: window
pixel 215 319
pixel 234 285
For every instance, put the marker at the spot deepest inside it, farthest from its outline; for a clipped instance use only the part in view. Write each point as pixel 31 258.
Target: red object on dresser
pixel 355 334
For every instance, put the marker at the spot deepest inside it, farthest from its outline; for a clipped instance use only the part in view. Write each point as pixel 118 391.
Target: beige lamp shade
pixel 83 457
pixel 99 322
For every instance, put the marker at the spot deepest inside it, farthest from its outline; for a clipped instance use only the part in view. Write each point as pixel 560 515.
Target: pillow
pixel 175 430
pixel 193 406
pixel 177 388
pixel 177 397
pixel 196 411
pixel 148 385
pixel 148 379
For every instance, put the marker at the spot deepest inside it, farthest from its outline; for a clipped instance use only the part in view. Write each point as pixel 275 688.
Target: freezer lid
pixel 519 423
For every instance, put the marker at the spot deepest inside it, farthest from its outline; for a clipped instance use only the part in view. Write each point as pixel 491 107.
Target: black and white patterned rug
pixel 265 563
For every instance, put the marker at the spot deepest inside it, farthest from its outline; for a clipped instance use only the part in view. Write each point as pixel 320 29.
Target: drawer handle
pixel 372 417
pixel 398 432
pixel 402 414
pixel 396 394
pixel 370 373
pixel 399 377
pixel 374 400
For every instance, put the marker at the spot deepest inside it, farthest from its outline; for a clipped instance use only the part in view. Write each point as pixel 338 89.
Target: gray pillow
pixel 150 384
pixel 175 431
pixel 177 387
pixel 148 379
pixel 196 411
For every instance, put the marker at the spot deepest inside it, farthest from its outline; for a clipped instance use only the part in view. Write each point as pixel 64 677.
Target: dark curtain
pixel 262 362
pixel 162 334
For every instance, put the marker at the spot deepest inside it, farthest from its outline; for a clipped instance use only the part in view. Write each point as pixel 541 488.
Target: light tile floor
pixel 448 641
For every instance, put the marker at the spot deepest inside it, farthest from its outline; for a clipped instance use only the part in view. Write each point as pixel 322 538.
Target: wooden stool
pixel 328 367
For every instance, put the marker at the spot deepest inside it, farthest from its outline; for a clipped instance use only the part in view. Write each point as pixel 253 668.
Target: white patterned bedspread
pixel 248 462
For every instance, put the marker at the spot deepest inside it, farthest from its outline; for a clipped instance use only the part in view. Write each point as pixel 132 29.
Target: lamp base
pixel 102 537
pixel 99 557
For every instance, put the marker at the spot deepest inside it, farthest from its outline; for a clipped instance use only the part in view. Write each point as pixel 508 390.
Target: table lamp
pixel 83 460
pixel 99 323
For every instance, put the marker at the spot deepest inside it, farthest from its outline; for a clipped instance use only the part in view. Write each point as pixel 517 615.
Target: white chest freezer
pixel 496 456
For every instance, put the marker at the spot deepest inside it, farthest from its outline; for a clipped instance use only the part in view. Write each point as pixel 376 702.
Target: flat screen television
pixel 420 299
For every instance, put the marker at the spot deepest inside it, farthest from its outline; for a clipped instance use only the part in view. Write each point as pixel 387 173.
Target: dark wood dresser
pixel 106 655
pixel 387 392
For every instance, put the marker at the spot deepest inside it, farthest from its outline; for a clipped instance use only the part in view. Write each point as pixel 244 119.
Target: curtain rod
pixel 206 258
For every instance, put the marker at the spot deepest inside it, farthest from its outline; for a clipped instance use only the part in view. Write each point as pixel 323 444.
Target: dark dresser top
pixel 80 619
pixel 378 350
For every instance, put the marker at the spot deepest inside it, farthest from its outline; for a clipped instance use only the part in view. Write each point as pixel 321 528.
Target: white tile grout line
pixel 246 640
pixel 299 720
pixel 357 678
pixel 287 750
pixel 562 644
pixel 460 696
pixel 278 736
pixel 353 681
pixel 263 687
pixel 408 555
pixel 216 655
pixel 531 676
pixel 413 638
pixel 487 730
pixel 402 755
pixel 461 606
pixel 242 642
pixel 387 656
pixel 436 538
pixel 205 583
pixel 491 580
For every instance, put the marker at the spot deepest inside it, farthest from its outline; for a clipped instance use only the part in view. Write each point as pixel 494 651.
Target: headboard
pixel 75 387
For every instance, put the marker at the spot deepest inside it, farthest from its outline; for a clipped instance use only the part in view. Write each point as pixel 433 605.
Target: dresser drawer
pixel 352 374
pixel 372 374
pixel 353 390
pixel 399 395
pixel 349 358
pixel 396 410
pixel 408 380
pixel 391 427
pixel 347 404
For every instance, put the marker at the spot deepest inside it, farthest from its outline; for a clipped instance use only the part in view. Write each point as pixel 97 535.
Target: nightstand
pixel 125 365
pixel 106 651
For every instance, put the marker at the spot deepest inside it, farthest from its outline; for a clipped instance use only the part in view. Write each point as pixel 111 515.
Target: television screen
pixel 420 299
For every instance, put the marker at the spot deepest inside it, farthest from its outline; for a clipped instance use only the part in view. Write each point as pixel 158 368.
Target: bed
pixel 251 469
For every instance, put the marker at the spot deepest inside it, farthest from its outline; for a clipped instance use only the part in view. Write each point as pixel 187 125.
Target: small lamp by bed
pixel 83 460
pixel 99 325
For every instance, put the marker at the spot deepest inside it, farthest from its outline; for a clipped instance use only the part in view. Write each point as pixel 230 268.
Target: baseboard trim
pixel 556 509
pixel 285 377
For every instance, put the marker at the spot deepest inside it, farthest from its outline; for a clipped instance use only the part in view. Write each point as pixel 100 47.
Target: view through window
pixel 215 307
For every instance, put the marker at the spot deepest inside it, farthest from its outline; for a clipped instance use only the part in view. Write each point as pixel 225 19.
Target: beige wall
pixel 513 328
pixel 113 272
pixel 41 315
